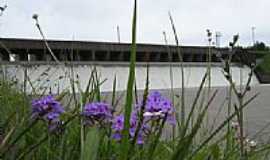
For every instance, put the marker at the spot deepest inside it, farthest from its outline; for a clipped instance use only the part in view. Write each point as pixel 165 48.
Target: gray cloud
pixel 97 20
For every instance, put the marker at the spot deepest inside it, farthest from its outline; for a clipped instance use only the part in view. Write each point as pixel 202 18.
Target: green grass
pixel 125 147
pixel 265 65
pixel 36 143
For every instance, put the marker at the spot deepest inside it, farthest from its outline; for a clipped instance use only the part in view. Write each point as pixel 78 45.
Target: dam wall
pixel 52 77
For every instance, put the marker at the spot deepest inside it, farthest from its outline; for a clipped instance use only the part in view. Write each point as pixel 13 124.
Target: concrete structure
pixel 103 51
pixel 33 63
pixel 53 77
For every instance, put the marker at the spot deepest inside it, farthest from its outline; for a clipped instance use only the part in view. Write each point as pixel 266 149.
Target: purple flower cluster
pixel 118 126
pixel 97 112
pixel 157 108
pixel 48 109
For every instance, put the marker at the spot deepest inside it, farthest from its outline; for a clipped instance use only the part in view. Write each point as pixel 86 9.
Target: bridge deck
pixel 35 50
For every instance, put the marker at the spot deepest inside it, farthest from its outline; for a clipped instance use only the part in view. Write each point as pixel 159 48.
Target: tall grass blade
pixel 32 148
pixel 97 86
pixel 7 137
pixel 114 93
pixel 182 71
pixel 191 113
pixel 222 125
pixel 142 107
pixel 185 143
pixel 129 96
pixel 72 84
pixel 156 139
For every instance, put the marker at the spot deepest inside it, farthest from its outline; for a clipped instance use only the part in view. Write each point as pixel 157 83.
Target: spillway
pixel 57 77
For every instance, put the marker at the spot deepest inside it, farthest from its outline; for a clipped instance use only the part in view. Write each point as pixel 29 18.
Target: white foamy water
pixel 57 77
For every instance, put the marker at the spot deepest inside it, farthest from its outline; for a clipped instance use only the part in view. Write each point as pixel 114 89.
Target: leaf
pixel 114 93
pixel 202 155
pixel 91 144
pixel 215 151
pixel 129 96
pixel 5 140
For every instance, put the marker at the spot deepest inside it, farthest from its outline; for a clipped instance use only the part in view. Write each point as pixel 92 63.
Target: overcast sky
pixel 97 20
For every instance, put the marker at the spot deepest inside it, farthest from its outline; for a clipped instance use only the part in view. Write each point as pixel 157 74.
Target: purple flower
pixel 157 107
pixel 140 140
pixel 48 109
pixel 97 112
pixel 118 123
pixel 118 126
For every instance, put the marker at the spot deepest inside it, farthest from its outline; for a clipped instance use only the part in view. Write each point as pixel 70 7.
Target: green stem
pixel 129 97
pixel 20 135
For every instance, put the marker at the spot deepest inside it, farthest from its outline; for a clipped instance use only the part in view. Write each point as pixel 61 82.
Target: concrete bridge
pixel 35 50
pixel 33 63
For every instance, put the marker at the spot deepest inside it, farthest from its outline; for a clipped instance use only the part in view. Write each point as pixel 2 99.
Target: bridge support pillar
pixel 4 56
pixel 48 57
pixel 121 56
pixel 32 57
pixel 107 56
pixel 93 55
pixel 1 57
pixel 22 56
pixel 199 58
pixel 157 57
pixel 77 56
pixel 147 57
pixel 189 57
pixel 63 55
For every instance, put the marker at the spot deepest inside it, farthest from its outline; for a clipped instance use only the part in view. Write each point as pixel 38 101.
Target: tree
pixel 260 46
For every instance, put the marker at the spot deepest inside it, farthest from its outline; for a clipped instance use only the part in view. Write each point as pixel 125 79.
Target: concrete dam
pixel 32 66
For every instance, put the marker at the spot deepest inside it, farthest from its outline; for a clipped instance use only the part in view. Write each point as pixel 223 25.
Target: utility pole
pixel 218 37
pixel 118 34
pixel 253 35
